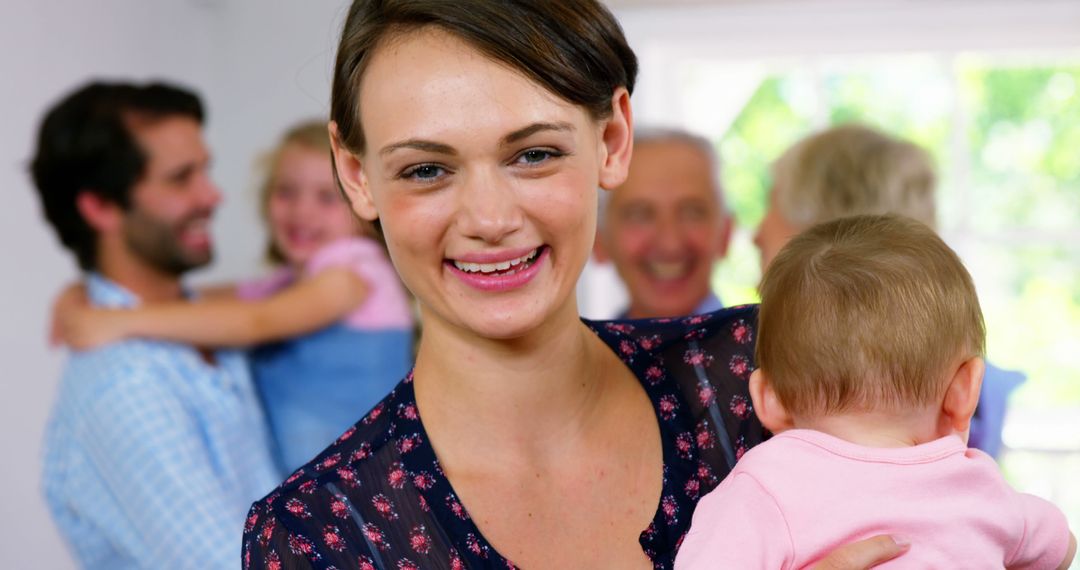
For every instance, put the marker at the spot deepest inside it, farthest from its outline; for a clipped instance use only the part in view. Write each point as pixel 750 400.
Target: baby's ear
pixel 962 395
pixel 772 413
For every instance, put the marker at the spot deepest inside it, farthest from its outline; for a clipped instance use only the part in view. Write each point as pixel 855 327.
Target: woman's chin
pixel 507 323
pixel 511 327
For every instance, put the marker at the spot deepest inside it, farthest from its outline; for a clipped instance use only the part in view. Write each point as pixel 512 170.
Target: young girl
pixel 332 323
pixel 870 340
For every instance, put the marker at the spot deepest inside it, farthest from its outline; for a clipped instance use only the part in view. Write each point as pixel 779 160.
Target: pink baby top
pixel 386 306
pixel 802 494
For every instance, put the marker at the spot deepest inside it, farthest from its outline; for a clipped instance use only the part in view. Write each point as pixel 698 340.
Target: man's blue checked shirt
pixel 152 455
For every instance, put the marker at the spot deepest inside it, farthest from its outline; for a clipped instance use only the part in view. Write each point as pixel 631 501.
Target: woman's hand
pixel 863 554
pixel 77 324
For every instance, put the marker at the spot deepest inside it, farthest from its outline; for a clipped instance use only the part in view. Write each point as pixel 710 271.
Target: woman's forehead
pixel 430 84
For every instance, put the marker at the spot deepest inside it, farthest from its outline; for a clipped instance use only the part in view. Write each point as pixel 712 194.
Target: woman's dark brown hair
pixel 574 48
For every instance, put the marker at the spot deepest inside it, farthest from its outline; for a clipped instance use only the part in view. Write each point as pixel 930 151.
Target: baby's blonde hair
pixel 851 170
pixel 865 313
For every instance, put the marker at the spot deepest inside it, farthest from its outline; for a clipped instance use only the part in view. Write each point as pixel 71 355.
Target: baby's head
pixel 867 315
pixel 301 203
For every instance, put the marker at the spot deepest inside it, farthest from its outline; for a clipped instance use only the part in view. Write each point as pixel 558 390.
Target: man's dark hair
pixel 85 144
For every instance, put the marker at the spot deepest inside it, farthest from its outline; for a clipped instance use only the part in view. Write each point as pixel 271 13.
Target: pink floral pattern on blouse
pixel 378 499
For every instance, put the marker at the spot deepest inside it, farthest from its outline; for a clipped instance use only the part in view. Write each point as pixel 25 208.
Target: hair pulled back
pixel 575 49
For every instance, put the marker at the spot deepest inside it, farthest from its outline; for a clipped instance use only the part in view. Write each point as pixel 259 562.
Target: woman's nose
pixel 490 207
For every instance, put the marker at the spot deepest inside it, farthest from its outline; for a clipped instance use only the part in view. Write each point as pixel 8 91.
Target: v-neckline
pixel 444 499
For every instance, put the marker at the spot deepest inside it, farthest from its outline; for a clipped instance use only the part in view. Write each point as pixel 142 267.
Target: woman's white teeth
pixel 493 267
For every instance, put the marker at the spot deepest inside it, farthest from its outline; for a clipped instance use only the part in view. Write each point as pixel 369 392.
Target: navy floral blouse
pixel 377 498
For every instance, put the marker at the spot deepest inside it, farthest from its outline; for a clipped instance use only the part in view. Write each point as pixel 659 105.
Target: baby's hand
pixel 863 554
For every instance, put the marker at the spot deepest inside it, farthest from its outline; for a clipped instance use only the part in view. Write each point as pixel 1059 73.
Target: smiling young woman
pixel 477 134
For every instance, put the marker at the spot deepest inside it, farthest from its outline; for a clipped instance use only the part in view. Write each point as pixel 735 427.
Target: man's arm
pixel 154 459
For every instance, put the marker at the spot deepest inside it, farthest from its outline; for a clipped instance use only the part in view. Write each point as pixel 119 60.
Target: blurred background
pixel 990 87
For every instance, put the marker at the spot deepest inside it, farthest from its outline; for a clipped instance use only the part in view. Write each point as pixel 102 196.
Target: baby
pixel 869 346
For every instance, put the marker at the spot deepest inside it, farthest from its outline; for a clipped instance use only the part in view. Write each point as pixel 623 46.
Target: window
pixel 1002 122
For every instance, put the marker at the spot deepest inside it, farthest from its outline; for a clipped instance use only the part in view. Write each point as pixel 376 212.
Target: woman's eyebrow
pixel 440 148
pixel 536 128
pixel 419 144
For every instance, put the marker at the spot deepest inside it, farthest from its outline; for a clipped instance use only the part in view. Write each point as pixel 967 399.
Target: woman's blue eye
pixel 423 172
pixel 535 156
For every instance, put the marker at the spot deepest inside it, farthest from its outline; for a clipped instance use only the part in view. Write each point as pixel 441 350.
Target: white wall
pixel 260 65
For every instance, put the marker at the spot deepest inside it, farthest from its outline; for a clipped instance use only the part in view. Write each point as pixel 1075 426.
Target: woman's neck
pixel 524 396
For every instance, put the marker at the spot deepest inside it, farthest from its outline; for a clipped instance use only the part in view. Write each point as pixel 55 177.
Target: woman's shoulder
pixel 695 340
pixel 363 502
pixel 696 369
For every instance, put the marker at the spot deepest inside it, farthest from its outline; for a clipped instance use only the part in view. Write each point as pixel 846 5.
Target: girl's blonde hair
pixel 310 135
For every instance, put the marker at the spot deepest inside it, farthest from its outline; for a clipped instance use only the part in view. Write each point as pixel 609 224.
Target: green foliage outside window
pixel 1006 139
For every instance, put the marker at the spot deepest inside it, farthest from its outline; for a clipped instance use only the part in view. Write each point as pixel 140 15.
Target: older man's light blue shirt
pixel 153 455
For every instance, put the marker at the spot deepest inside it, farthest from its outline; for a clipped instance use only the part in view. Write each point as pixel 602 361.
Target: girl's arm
pixel 307 306
pixel 216 292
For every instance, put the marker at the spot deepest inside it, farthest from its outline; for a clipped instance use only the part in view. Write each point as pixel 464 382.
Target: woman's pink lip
pixel 494 256
pixel 496 283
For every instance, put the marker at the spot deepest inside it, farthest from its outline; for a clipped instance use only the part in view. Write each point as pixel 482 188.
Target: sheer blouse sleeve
pixel 711 365
pixel 706 360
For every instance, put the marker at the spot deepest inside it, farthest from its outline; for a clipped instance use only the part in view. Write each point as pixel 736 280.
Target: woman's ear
pixel 618 141
pixel 770 411
pixel 962 396
pixel 351 175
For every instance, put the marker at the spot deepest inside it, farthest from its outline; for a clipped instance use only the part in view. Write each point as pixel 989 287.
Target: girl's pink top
pixel 386 305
